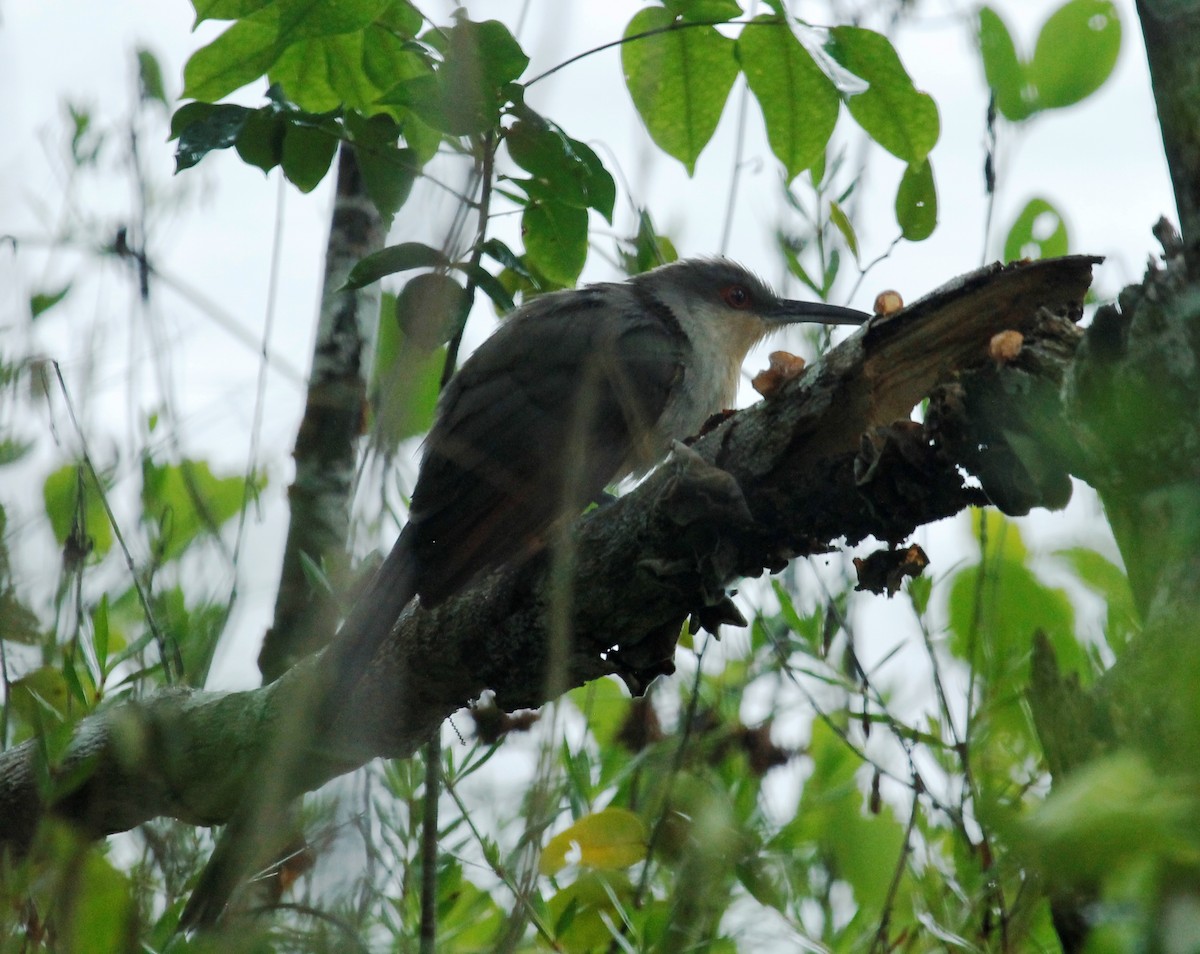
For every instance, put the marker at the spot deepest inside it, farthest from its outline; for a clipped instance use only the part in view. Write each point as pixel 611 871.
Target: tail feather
pixel 373 616
pixel 258 830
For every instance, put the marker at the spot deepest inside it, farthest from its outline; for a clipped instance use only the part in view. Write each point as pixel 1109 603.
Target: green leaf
pixel 1105 578
pixel 60 494
pixel 44 301
pixel 100 631
pixel 799 102
pixel 95 912
pixel 487 283
pixel 1115 812
pixel 605 706
pixel 431 309
pixel 150 78
pixel 842 222
pixel 307 19
pixel 240 55
pixel 863 848
pixel 996 607
pixel 394 258
pixel 1038 232
pixel 679 81
pixel 307 155
pixel 892 111
pixel 227 9
pixel 201 128
pixel 388 170
pixel 1002 68
pixel 916 202
pixel 260 140
pixel 481 59
pixel 704 11
pixel 582 912
pixel 568 170
pixel 1075 53
pixel 555 240
pixel 41 693
pixel 186 499
pixel 606 840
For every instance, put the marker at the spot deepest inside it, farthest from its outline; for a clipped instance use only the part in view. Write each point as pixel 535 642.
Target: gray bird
pixel 576 390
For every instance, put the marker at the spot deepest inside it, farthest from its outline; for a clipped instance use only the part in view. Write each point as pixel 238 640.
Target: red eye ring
pixel 737 296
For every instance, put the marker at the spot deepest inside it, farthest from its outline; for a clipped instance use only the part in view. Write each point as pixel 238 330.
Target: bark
pixel 326 452
pixel 830 454
pixel 1171 29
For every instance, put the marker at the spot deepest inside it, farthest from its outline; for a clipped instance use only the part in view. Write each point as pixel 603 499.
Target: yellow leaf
pixel 606 840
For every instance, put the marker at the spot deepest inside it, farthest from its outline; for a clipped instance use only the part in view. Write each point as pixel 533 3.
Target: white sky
pixel 1100 163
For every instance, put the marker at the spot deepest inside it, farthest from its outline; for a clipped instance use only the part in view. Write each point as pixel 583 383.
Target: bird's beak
pixel 787 312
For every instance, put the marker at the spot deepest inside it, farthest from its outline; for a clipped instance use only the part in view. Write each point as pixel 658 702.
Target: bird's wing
pixel 538 421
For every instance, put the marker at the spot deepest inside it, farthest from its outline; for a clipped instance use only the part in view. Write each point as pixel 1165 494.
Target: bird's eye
pixel 736 296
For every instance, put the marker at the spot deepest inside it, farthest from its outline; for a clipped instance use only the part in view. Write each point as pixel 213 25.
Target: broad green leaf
pixel 387 61
pixel 606 840
pixel 307 155
pixel 1075 53
pixel 994 611
pixel 431 309
pixel 916 202
pixel 679 80
pixel 650 249
pixel 388 170
pixel 324 73
pixel 1002 68
pixel 227 9
pixel 1114 813
pixel 44 301
pixel 43 690
pixel 704 11
pixel 480 60
pixel 240 55
pixel 487 283
pixel 606 706
pixel 394 258
pixel 201 128
pixel 305 19
pixel 580 914
pixel 1109 581
pixel 799 102
pixel 60 494
pixel 95 911
pixel 555 240
pixel 892 111
pixel 406 380
pixel 186 499
pixel 863 848
pixel 1038 232
pixel 569 170
pixel 260 140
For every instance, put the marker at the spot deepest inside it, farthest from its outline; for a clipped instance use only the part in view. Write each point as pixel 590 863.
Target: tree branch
pixel 832 454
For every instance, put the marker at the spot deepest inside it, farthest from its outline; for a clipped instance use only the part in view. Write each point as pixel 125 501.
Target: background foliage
pixel 779 789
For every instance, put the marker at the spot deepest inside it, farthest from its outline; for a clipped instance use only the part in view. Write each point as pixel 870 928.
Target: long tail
pixel 372 617
pixel 259 830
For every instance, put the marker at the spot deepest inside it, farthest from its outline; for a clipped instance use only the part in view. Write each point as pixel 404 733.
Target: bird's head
pixel 719 303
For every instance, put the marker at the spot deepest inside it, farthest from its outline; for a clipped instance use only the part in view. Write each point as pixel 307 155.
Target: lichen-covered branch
pixel 832 454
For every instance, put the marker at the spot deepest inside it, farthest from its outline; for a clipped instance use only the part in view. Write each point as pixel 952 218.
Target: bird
pixel 576 390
